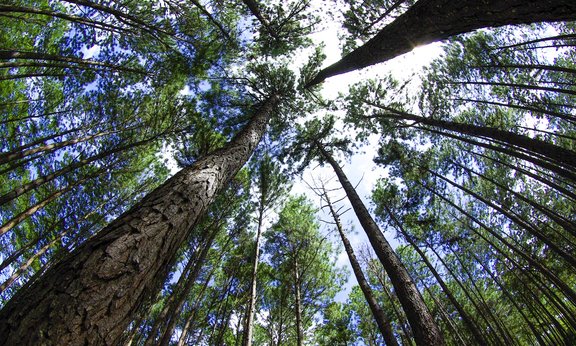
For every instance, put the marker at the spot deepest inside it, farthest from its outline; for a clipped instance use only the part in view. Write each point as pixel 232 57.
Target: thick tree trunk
pixel 382 320
pixel 90 296
pixel 426 332
pixel 433 20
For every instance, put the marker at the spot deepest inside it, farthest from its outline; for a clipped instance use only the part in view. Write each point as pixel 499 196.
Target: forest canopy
pixel 149 149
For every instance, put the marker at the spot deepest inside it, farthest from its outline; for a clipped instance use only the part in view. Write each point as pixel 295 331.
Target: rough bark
pixel 382 320
pixel 433 20
pixel 90 296
pixel 426 332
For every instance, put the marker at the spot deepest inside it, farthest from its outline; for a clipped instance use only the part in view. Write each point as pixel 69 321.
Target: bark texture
pixel 426 332
pixel 428 21
pixel 91 295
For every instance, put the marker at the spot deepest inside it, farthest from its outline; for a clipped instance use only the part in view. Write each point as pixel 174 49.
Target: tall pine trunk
pixel 382 320
pixel 298 304
pixel 428 21
pixel 426 332
pixel 248 330
pixel 91 295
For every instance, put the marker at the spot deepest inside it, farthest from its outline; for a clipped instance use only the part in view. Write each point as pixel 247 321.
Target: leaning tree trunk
pixel 433 20
pixel 382 320
pixel 552 152
pixel 90 296
pixel 426 332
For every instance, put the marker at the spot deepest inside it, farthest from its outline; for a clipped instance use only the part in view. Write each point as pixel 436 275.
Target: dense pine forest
pixel 149 152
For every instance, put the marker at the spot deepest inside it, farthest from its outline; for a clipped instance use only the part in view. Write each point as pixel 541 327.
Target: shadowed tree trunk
pixel 428 21
pixel 91 295
pixel 426 332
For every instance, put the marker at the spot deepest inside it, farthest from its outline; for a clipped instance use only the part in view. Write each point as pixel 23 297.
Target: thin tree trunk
pixel 478 338
pixel 188 325
pixel 10 155
pixel 70 18
pixel 255 10
pixel 17 54
pixel 298 305
pixel 48 148
pixel 508 295
pixel 34 184
pixel 554 153
pixel 568 174
pixel 382 320
pixel 562 221
pixel 569 194
pixel 530 109
pixel 426 332
pixel 568 292
pixel 527 66
pixel 175 309
pixel 90 296
pixel 444 315
pixel 484 313
pixel 514 218
pixel 248 327
pixel 161 318
pixel 519 86
pixel 428 21
pixel 544 39
pixel 13 222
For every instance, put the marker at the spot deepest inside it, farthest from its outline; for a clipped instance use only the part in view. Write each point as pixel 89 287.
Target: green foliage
pixel 99 98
